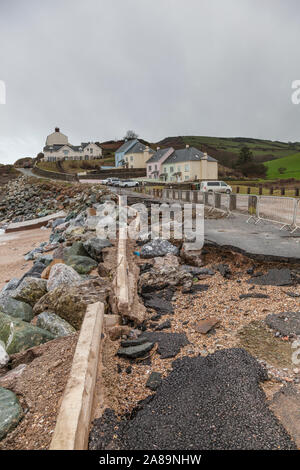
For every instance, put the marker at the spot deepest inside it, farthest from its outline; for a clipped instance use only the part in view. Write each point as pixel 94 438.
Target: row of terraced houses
pixel 167 164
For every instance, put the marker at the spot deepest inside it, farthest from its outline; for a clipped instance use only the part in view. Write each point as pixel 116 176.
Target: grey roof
pixel 190 154
pixel 158 155
pixel 76 148
pixel 126 146
pixel 138 148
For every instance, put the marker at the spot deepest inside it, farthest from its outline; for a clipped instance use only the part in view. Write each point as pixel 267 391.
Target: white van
pixel 215 186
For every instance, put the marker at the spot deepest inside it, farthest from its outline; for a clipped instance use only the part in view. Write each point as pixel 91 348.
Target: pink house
pixel 155 162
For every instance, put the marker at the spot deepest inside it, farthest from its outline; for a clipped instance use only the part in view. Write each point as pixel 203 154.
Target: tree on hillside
pixel 246 156
pixel 131 135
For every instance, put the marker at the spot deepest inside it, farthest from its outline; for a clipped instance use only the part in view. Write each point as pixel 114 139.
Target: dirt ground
pixel 13 247
pixel 40 389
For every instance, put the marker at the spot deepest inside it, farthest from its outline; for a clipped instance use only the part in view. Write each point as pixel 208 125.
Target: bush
pixel 253 169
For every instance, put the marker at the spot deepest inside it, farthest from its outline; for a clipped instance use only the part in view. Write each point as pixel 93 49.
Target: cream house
pixel 58 148
pixel 133 154
pixel 189 164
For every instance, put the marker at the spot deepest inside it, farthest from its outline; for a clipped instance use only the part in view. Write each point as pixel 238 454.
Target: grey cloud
pixel 96 68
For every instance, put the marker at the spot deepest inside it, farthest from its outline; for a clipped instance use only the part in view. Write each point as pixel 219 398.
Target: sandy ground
pixel 13 246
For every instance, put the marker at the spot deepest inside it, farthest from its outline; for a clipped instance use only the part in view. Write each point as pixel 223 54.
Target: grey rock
pixel 158 247
pixel 77 249
pixel 16 308
pixel 95 246
pixel 133 342
pixel 10 412
pixel 57 326
pixel 30 290
pixel 154 381
pixel 62 274
pixel 133 352
pixel 58 222
pixel 10 286
pixel 82 264
pixel 18 335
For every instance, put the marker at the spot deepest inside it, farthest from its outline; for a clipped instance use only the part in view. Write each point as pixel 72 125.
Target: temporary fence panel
pixel 277 209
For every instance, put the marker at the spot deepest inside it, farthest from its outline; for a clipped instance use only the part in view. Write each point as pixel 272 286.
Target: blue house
pixel 120 153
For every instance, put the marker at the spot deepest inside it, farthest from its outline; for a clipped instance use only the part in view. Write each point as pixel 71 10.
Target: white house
pixel 58 148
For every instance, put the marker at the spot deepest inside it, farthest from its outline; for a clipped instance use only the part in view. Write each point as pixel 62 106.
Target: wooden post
pixel 271 190
pixel 237 189
pixel 260 190
pixel 282 191
pixel 296 192
pixel 248 190
pixel 232 202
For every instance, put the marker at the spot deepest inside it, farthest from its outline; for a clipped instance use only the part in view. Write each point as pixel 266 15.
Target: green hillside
pixel 261 149
pixel 226 149
pixel 290 167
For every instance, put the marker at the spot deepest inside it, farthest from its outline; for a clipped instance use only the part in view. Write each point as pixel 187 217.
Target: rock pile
pixel 50 300
pixel 29 198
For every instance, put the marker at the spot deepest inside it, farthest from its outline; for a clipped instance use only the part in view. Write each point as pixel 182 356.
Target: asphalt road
pixel 210 403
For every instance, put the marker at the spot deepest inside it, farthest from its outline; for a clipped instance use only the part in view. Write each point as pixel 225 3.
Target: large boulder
pixel 62 274
pixel 70 302
pixel 18 335
pixel 30 290
pixel 10 411
pixel 16 308
pixel 57 326
pixel 82 264
pixel 94 247
pixel 165 276
pixel 158 247
pixel 77 249
pixel 72 233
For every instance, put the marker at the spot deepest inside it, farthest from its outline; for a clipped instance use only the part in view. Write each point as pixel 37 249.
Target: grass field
pixel 291 163
pixel 259 147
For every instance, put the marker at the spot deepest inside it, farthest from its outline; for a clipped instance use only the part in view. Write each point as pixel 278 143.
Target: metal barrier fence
pixel 281 210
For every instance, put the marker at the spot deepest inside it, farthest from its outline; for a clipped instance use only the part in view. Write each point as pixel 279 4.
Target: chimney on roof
pixel 187 146
pixel 57 129
pixel 157 148
pixel 205 155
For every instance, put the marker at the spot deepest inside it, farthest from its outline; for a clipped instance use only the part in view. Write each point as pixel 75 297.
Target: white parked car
pixel 215 186
pixel 113 181
pixel 128 184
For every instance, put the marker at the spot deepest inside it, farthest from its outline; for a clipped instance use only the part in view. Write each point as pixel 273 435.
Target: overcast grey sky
pixel 96 68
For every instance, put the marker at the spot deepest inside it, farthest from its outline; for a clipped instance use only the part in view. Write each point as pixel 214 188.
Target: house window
pixel 186 177
pixel 131 158
pixel 150 167
pixel 91 150
pixel 171 169
pixel 155 166
pixel 66 152
pixel 186 167
pixel 179 168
